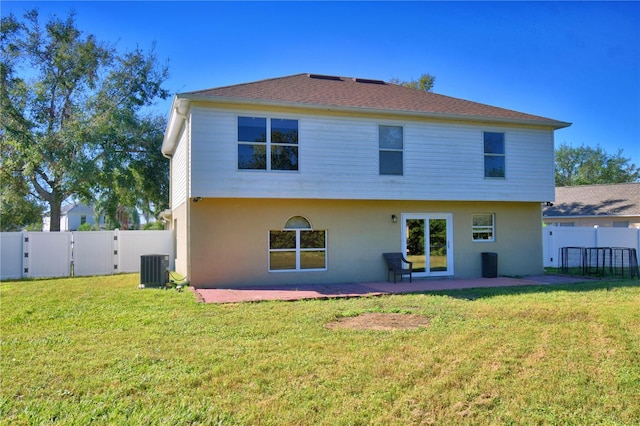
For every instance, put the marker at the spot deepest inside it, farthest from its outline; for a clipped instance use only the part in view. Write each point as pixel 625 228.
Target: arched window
pixel 297 222
pixel 297 247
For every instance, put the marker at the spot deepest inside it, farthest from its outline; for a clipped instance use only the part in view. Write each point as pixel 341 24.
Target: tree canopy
pixel 585 165
pixel 424 83
pixel 18 209
pixel 75 121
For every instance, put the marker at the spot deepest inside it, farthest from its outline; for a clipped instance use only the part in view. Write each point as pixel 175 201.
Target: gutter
pixel 165 215
pixel 179 109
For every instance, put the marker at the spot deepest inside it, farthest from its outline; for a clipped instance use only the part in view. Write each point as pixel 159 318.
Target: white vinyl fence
pixel 556 237
pixel 63 254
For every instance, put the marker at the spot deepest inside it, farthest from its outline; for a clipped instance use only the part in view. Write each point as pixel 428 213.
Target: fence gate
pixel 93 253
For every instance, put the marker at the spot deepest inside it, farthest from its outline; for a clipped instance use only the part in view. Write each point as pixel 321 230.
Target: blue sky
pixel 571 61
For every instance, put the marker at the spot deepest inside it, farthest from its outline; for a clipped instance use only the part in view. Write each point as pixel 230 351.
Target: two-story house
pixel 310 178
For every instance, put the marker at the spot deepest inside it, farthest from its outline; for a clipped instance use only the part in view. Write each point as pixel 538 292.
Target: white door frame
pixel 449 235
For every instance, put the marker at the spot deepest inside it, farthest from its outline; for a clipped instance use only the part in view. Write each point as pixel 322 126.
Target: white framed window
pixel 297 247
pixel 494 155
pixel 267 144
pixel 483 227
pixel 391 145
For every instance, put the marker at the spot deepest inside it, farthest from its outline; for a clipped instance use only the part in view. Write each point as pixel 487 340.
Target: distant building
pixel 72 216
pixel 615 206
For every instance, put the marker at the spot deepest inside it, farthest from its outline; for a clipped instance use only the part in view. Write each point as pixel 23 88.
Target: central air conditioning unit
pixel 154 270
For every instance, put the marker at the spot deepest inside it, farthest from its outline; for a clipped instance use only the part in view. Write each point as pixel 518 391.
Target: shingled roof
pixel 346 93
pixel 596 200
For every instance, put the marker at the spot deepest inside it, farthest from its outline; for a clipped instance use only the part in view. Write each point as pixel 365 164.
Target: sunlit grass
pixel 100 351
pixel 436 263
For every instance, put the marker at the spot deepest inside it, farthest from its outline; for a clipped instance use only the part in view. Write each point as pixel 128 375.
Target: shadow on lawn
pixel 590 285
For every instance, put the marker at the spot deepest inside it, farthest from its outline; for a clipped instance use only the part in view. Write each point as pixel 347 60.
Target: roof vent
pixel 325 77
pixel 368 81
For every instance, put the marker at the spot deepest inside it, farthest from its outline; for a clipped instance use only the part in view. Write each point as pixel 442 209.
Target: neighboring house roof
pixel 81 209
pixel 595 200
pixel 74 209
pixel 314 91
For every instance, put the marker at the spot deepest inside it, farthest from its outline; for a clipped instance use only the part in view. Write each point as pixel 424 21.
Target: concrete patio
pixel 330 291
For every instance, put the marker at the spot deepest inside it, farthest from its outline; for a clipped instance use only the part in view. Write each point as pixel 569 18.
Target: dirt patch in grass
pixel 380 321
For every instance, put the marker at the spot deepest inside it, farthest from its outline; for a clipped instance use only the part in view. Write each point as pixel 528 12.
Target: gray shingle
pixel 344 92
pixel 596 200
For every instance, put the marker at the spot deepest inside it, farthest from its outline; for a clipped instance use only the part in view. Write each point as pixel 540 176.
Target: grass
pixel 100 351
pixel 436 263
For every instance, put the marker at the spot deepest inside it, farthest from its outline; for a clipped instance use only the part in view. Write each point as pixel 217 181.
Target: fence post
pixel 72 258
pixel 553 249
pixel 26 263
pixel 115 251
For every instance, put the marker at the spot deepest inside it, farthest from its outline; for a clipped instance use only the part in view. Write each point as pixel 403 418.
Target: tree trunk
pixel 55 208
pixel 54 199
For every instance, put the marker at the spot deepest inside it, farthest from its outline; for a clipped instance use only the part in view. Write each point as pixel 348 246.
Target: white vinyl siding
pixel 179 173
pixel 339 158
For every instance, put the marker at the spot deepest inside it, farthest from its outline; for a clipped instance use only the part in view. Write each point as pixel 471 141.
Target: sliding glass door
pixel 427 242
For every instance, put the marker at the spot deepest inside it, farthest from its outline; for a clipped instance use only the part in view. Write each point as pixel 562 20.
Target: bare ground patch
pixel 380 321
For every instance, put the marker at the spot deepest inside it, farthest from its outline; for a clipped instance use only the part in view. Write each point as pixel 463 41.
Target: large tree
pixel 585 165
pixel 74 115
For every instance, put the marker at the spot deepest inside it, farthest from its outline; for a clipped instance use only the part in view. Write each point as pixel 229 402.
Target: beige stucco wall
pixel 229 238
pixel 179 226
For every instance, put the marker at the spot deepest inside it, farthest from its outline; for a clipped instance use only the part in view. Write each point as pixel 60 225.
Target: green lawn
pixel 100 351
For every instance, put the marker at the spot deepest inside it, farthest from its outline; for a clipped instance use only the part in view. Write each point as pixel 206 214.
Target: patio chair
pixel 398 265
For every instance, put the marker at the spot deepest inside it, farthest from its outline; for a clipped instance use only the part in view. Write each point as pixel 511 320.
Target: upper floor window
pixel 391 150
pixel 267 144
pixel 494 155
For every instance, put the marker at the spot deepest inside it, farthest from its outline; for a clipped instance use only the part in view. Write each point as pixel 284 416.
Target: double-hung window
pixel 267 144
pixel 297 247
pixel 483 227
pixel 494 155
pixel 391 145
